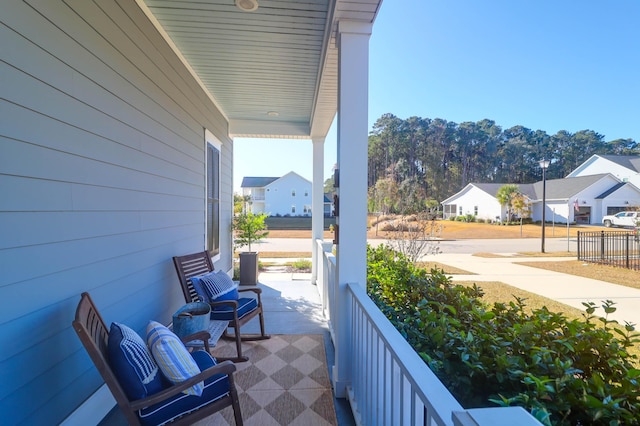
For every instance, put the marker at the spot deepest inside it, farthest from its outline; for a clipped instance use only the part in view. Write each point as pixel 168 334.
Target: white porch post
pixel 317 204
pixel 353 88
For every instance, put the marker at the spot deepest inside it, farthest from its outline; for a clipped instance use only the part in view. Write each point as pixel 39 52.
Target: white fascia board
pixel 268 129
pixel 458 194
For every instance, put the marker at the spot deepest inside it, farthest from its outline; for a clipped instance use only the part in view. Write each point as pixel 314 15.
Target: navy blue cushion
pixel 217 285
pixel 132 362
pixel 225 312
pixel 197 286
pixel 215 387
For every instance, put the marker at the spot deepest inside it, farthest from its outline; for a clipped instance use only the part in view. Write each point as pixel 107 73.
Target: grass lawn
pixel 452 230
pixel 446 269
pixel 610 274
pixel 495 291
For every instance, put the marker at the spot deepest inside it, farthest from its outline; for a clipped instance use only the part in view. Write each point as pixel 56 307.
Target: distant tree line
pixel 417 162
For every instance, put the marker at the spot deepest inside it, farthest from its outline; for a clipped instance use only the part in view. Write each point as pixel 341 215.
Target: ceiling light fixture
pixel 273 113
pixel 247 5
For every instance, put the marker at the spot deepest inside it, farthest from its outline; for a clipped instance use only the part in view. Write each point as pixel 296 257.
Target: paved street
pixel 446 246
pixel 568 289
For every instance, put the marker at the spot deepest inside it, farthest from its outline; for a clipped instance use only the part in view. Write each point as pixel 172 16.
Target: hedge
pixel 565 372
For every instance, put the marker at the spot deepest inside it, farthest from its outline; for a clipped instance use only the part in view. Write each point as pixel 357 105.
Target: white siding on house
pixel 556 211
pixel 102 182
pixel 626 197
pixel 279 198
pixel 471 198
pixel 598 165
pixel 587 198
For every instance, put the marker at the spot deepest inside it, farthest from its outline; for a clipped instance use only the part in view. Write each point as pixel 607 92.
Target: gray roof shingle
pixel 557 189
pixel 631 162
pixel 257 181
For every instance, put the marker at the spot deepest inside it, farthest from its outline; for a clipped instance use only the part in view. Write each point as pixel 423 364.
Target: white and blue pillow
pixel 172 357
pixel 217 285
pixel 198 287
pixel 132 363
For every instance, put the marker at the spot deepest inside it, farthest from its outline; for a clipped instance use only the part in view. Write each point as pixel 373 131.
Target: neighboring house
pixel 328 205
pixel 624 167
pixel 477 199
pixel 289 195
pixel 583 199
pixel 254 188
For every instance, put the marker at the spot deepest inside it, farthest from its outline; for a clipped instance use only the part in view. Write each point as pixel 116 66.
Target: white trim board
pixel 93 410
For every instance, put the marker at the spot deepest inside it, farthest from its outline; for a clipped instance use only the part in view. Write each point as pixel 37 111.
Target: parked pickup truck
pixel 631 219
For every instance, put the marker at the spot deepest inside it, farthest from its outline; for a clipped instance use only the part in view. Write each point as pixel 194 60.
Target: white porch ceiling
pixel 281 58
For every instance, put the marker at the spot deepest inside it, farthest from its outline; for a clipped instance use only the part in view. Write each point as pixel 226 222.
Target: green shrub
pixel 565 372
pixel 236 271
pixel 466 218
pixel 301 265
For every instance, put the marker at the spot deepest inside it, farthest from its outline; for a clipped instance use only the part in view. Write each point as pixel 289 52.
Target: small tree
pixel 249 228
pixel 521 208
pixel 505 196
pixel 416 238
pixel 240 203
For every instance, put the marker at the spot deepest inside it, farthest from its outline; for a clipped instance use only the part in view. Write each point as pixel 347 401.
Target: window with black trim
pixel 213 195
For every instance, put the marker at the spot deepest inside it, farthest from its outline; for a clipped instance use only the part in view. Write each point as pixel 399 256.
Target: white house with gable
pixel 580 199
pixel 289 195
pixel 477 199
pixel 625 167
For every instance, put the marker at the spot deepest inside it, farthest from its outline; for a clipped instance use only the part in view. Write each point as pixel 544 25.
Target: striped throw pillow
pixel 132 363
pixel 218 286
pixel 172 357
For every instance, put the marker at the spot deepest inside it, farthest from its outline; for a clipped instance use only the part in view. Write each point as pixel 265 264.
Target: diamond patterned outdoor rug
pixel 285 382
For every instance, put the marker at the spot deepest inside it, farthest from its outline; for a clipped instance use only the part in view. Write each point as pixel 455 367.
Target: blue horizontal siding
pixel 102 182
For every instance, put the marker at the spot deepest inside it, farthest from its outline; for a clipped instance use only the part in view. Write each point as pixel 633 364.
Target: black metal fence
pixel 615 248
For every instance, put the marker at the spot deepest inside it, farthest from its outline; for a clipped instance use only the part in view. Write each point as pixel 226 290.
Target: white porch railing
pixel 326 281
pixel 390 384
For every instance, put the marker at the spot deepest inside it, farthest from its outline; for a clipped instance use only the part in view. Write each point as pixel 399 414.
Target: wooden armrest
pixel 203 335
pixel 256 290
pixel 232 303
pixel 199 335
pixel 225 367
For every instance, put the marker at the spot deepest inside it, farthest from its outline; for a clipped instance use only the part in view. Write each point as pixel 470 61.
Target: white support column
pixel 353 100
pixel 317 204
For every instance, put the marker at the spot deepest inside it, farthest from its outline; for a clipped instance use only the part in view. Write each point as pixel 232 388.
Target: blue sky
pixel 547 64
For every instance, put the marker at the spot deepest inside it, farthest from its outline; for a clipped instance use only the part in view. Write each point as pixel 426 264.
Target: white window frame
pixel 211 142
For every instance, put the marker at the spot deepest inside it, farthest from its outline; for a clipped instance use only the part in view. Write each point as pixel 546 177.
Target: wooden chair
pixel 195 264
pixel 94 334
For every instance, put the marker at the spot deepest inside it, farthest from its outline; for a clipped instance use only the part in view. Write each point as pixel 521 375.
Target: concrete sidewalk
pixel 569 289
